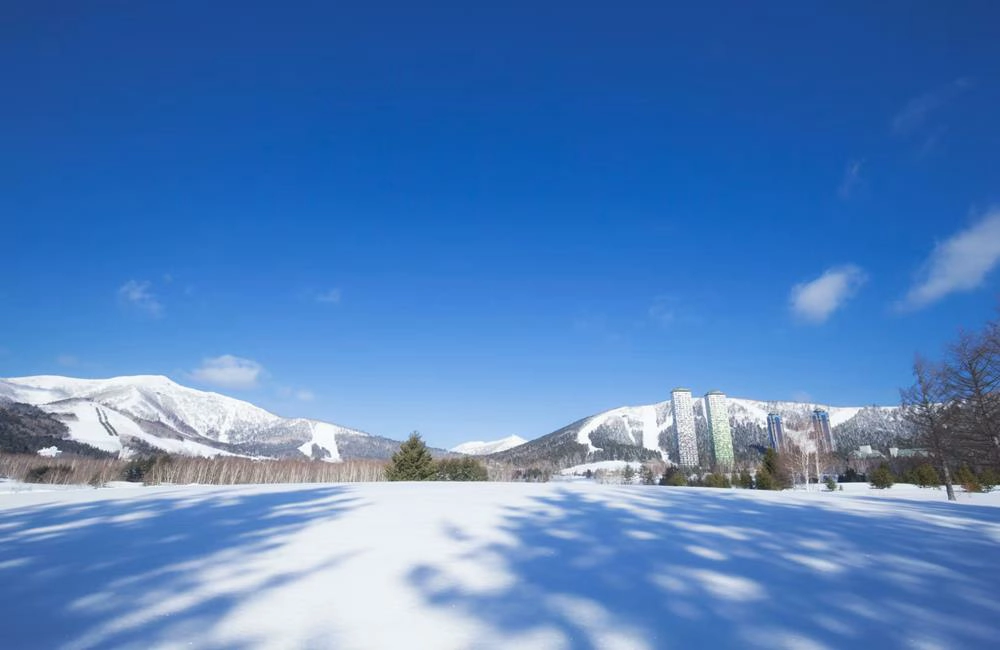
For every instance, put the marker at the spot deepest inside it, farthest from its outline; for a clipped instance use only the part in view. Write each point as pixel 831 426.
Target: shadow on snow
pixel 673 568
pixel 130 569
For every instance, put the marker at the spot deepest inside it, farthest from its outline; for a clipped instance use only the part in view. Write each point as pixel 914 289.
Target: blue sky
pixel 479 222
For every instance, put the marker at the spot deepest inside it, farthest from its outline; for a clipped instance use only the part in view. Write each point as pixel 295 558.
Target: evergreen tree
pixel 412 462
pixel 968 479
pixel 745 480
pixel 926 476
pixel 882 477
pixel 764 480
pixel 772 475
pixel 628 474
pixel 646 475
pixel 831 484
pixel 461 469
pixel 717 480
pixel 988 479
pixel 673 476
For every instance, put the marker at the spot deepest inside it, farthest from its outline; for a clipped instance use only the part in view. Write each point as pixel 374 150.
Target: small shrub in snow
pixel 968 480
pixel 674 477
pixel 925 475
pixel 831 484
pixel 988 479
pixel 717 480
pixel 460 469
pixel 882 478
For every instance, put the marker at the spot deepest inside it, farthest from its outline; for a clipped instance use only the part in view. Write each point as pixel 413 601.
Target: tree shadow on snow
pixel 128 570
pixel 672 568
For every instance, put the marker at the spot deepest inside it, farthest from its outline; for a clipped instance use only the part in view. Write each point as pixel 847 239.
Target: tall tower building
pixel 821 430
pixel 775 431
pixel 717 413
pixel 687 441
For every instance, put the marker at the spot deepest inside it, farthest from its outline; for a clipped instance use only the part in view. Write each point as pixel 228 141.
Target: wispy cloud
pixel 815 301
pixel 139 296
pixel 330 296
pixel 662 310
pixel 960 263
pixel 228 371
pixel 301 394
pixel 918 111
pixel 67 360
pixel 852 181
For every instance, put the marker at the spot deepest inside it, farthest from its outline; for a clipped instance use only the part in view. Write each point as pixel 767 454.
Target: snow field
pixel 491 565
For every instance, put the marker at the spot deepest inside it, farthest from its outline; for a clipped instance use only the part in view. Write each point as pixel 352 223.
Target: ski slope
pixel 446 565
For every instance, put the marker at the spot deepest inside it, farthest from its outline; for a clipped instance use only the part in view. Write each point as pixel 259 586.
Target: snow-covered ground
pixel 446 565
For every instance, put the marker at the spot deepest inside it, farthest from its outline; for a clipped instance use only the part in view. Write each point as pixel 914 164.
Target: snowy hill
pixel 646 432
pixel 478 448
pixel 123 413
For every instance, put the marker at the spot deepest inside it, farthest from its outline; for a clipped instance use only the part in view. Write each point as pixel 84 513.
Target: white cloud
pixel 229 371
pixel 331 296
pixel 852 180
pixel 959 263
pixel 815 301
pixel 305 395
pixel 67 360
pixel 917 111
pixel 662 310
pixel 138 295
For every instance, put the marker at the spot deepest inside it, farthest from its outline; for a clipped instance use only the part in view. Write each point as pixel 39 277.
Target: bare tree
pixel 926 408
pixel 798 455
pixel 971 381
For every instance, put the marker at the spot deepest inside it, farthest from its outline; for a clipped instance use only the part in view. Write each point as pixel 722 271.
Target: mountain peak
pixel 480 448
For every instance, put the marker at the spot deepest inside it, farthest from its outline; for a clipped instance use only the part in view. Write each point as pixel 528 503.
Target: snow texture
pixel 445 565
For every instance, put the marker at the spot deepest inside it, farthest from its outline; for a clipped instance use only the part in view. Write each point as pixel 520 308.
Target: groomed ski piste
pixel 570 565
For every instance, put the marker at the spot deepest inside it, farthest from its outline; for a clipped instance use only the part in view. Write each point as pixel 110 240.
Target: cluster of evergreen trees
pixel 954 407
pixel 413 462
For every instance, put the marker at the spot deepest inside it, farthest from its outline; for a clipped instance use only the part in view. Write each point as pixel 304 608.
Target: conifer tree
pixel 882 477
pixel 412 462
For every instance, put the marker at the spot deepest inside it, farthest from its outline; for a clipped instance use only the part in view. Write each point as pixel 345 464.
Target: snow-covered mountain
pixel 124 413
pixel 479 448
pixel 646 432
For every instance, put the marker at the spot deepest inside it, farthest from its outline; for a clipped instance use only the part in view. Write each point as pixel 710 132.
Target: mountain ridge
pixel 157 411
pixel 120 413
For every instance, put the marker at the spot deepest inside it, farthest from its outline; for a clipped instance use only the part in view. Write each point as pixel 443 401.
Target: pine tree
pixel 745 480
pixel 646 475
pixel 882 477
pixel 412 462
pixel 925 476
pixel 772 475
pixel 628 474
